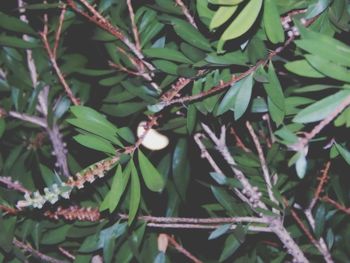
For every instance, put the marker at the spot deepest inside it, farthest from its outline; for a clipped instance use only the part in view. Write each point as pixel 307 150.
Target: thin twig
pixel 186 12
pixel 58 31
pixel 322 246
pixel 66 253
pixel 302 142
pixel 263 163
pixel 337 205
pixel 224 85
pixel 323 179
pixel 205 154
pixel 29 249
pixel 102 22
pixel 59 74
pixel 239 143
pixel 9 210
pixel 133 24
pixel 182 250
pixel 10 184
pixel 28 118
pixel 252 193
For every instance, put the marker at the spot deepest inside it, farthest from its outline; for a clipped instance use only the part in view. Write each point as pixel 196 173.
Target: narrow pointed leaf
pixel 153 179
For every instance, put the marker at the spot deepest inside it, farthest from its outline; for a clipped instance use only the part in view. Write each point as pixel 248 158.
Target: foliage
pixel 110 116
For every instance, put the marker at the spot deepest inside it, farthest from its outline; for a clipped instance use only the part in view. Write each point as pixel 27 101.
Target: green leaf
pixel 317 8
pixel 153 179
pixel 321 109
pixel 219 231
pixel 228 101
pixel 204 12
pixel 8 226
pixel 274 89
pixel 222 15
pixel 230 246
pixel 301 165
pixel 225 2
pixel 325 46
pixel 91 115
pixel 277 115
pixel 242 23
pixel 55 236
pixel 123 109
pixel 135 194
pixel 303 68
pixel 191 118
pixel 320 219
pixel 118 187
pixel 97 129
pixel 180 167
pixel 190 34
pixel 2 126
pixel 243 96
pixel 166 53
pixel 225 199
pixel 343 152
pixel 328 68
pixel 16 42
pixel 272 22
pixel 96 143
pixel 15 24
pixel 166 66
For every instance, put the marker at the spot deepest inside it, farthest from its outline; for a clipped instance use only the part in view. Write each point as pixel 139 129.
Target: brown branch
pixel 133 24
pixel 319 244
pixel 304 229
pixel 239 143
pixel 337 205
pixel 323 180
pixel 59 74
pixel 182 250
pixel 224 85
pixel 9 210
pixel 186 12
pixel 29 249
pixel 58 31
pixel 103 23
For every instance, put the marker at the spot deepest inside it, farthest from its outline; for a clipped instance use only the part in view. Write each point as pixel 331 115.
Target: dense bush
pixel 171 131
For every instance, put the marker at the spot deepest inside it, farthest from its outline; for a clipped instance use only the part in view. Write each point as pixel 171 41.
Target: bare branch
pixel 191 220
pixel 134 27
pixel 205 226
pixel 182 250
pixel 302 143
pixel 186 12
pixel 58 31
pixel 263 163
pixel 29 249
pixel 6 180
pixel 28 118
